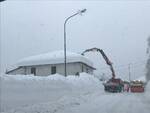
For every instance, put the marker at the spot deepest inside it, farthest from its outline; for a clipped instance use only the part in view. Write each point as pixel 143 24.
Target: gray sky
pixel 121 29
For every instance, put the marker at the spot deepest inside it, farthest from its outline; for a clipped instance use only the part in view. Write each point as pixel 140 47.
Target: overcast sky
pixel 121 29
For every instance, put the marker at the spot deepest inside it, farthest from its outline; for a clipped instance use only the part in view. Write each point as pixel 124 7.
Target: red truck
pixel 137 86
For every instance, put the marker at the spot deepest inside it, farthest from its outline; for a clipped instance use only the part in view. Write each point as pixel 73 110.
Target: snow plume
pixel 148 61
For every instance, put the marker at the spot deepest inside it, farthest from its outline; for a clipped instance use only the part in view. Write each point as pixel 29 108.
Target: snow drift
pixel 26 90
pixel 84 80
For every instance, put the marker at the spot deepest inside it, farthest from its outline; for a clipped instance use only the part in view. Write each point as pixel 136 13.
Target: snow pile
pixel 27 90
pixel 18 77
pixel 83 81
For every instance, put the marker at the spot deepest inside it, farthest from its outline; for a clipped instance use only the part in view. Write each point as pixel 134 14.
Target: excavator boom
pixel 113 84
pixel 108 62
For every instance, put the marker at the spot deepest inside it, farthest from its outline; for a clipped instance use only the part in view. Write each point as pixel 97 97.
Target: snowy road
pixel 96 102
pixel 111 103
pixel 68 95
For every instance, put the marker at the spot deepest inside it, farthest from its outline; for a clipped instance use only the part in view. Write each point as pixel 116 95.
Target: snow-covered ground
pixel 72 94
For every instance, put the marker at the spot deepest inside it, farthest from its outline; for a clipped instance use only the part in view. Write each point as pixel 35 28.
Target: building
pixel 51 63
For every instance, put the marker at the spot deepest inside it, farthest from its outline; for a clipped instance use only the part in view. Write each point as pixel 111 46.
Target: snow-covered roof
pixel 56 57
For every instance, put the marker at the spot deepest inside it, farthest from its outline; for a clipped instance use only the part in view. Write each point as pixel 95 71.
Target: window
pixel 77 74
pixel 87 70
pixel 33 70
pixel 82 68
pixel 53 69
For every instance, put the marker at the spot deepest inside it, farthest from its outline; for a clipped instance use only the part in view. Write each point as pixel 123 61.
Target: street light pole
pixel 65 56
pixel 129 68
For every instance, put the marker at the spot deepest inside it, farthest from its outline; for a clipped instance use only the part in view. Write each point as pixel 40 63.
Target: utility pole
pixel 129 68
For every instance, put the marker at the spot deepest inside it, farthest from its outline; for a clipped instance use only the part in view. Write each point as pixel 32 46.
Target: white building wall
pixel 72 68
pixel 86 68
pixel 41 70
pixel 18 71
pixel 44 70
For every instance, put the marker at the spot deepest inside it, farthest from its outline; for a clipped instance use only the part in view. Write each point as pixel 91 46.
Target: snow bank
pixel 84 80
pixel 26 90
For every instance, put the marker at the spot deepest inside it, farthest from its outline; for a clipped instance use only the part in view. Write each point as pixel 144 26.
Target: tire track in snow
pixel 111 103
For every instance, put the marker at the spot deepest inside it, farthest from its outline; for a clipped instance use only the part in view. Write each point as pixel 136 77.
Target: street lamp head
pixel 80 12
pixel 83 10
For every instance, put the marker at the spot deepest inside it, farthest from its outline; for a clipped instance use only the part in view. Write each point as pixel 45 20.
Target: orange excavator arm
pixel 108 62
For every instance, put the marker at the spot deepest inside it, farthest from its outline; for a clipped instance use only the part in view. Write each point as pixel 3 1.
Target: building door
pixel 33 70
pixel 53 70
